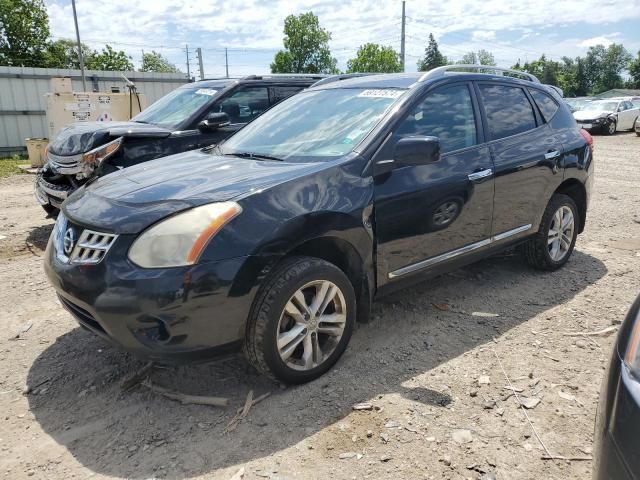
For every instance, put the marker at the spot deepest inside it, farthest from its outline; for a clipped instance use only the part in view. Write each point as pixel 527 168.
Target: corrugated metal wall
pixel 22 101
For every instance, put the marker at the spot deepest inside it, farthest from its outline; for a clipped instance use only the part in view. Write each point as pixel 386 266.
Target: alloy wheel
pixel 445 213
pixel 311 325
pixel 612 128
pixel 561 233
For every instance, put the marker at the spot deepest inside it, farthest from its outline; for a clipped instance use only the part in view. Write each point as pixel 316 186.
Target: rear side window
pixel 446 113
pixel 508 110
pixel 547 105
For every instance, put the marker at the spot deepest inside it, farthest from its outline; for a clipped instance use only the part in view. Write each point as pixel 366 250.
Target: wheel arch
pixel 576 190
pixel 346 257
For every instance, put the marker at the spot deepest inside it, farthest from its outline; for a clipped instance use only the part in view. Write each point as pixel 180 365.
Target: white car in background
pixel 608 116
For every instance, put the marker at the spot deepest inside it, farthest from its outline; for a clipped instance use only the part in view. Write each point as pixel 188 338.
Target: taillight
pixel 587 136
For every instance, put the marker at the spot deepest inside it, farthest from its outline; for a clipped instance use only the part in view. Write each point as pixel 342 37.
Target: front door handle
pixel 552 154
pixel 476 176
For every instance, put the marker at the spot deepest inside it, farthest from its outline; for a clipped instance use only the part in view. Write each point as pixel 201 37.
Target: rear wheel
pixel 301 321
pixel 552 246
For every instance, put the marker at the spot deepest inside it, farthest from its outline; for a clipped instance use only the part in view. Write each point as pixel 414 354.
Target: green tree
pixel 24 30
pixel 634 71
pixel 432 57
pixel 110 60
pixel 372 58
pixel 306 47
pixel 156 62
pixel 604 67
pixel 63 53
pixel 481 57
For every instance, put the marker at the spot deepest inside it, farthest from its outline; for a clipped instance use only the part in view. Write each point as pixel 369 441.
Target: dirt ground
pixel 423 364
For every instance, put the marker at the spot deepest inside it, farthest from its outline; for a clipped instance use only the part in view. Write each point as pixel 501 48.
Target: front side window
pixel 245 104
pixel 508 110
pixel 314 125
pixel 547 105
pixel 446 113
pixel 176 107
pixel 280 92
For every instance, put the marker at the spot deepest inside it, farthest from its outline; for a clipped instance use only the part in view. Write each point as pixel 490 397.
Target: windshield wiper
pixel 257 156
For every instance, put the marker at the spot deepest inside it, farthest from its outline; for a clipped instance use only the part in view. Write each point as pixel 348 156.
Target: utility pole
pixel 186 48
pixel 404 20
pixel 226 61
pixel 75 20
pixel 199 53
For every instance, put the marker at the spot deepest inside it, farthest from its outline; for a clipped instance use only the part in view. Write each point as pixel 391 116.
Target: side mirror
pixel 417 151
pixel 214 121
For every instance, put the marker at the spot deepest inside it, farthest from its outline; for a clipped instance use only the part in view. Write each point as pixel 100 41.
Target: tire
pixel 539 251
pixel 304 277
pixel 610 128
pixel 52 212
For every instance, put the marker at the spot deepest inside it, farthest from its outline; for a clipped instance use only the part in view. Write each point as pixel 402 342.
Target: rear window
pixel 547 105
pixel 508 110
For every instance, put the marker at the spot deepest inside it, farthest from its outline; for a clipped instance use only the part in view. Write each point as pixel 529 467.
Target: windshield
pixel 175 107
pixel 315 125
pixel 577 102
pixel 601 106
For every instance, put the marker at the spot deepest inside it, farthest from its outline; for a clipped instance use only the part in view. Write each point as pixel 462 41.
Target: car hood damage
pixel 590 114
pixel 84 136
pixel 134 198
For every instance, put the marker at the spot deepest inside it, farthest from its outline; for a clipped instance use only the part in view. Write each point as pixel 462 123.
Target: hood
pixel 590 114
pixel 84 136
pixel 130 200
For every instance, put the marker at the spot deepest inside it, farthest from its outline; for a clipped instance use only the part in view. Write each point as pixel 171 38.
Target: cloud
pixel 252 29
pixel 479 35
pixel 600 40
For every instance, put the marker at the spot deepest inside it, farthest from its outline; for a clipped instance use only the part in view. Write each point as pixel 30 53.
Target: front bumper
pixel 48 193
pixel 170 314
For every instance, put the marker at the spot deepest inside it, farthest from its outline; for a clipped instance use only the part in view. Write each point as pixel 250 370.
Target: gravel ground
pixel 430 364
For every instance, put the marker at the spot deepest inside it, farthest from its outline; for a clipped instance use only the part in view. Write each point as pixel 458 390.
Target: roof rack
pixel 319 76
pixel 341 76
pixel 442 71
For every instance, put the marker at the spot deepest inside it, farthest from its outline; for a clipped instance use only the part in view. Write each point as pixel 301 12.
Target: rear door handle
pixel 552 154
pixel 475 176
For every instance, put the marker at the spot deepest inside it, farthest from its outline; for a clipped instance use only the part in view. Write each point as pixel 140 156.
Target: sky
pixel 252 30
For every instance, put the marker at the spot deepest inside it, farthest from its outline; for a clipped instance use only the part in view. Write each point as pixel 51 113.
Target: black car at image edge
pixel 188 118
pixel 618 418
pixel 278 240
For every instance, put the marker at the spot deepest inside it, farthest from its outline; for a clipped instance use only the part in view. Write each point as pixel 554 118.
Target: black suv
pixel 188 118
pixel 277 240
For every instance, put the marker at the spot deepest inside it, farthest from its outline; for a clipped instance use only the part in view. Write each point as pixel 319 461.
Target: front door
pixel 431 213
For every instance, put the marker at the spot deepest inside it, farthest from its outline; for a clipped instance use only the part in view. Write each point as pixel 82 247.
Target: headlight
pixel 180 240
pixel 98 155
pixel 632 355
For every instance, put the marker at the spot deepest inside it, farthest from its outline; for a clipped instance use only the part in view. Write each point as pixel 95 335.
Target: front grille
pixel 90 248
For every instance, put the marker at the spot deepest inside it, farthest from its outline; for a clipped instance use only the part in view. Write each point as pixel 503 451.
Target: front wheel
pixel 610 128
pixel 552 246
pixel 301 321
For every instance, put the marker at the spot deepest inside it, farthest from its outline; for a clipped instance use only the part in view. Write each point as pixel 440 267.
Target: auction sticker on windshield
pixel 381 93
pixel 206 91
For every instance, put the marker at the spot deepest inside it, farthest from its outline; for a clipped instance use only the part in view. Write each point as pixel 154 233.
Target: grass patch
pixel 9 166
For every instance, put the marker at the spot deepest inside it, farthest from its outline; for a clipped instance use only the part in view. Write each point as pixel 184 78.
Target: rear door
pixel 527 156
pixel 431 213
